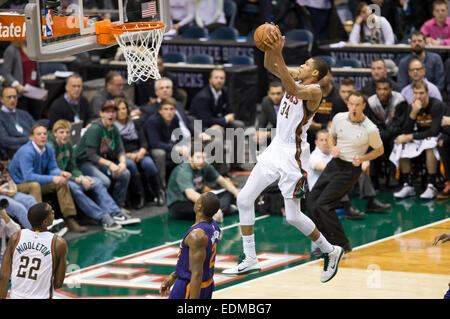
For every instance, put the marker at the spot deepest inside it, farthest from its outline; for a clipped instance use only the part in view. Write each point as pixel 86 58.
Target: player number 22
pixel 285 110
pixel 23 268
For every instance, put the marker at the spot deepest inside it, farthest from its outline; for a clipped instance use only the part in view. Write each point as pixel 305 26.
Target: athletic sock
pixel 249 245
pixel 324 245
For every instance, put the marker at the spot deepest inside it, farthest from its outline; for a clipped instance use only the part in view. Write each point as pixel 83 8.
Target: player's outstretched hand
pixel 275 40
pixel 442 238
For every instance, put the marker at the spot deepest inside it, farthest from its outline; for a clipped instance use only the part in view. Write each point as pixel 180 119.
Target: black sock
pixel 431 179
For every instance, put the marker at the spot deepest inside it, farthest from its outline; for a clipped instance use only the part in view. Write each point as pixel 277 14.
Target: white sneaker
pixel 331 263
pixel 406 191
pixel 429 193
pixel 218 217
pixel 247 265
pixel 125 219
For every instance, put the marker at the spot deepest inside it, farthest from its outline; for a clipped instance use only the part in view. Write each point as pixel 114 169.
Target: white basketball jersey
pixel 33 259
pixel 293 119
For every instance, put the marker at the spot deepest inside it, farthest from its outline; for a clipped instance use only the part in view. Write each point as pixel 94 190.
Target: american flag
pixel 148 9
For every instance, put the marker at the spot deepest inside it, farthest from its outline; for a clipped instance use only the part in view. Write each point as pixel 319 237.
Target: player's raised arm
pixel 197 242
pixel 6 266
pixel 274 62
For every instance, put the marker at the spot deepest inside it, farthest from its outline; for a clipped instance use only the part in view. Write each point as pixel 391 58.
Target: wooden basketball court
pixel 406 265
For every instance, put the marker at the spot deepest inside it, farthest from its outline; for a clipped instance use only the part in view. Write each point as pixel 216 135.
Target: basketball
pixel 260 35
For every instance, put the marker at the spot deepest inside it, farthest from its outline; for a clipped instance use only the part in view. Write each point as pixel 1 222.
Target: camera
pixel 4 203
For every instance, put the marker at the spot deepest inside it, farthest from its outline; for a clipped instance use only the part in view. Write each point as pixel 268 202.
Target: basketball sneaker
pixel 429 193
pixel 246 265
pixel 445 192
pixel 406 191
pixel 331 262
pixel 125 219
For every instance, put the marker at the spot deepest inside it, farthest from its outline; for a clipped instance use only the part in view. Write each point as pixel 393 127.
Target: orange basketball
pixel 260 35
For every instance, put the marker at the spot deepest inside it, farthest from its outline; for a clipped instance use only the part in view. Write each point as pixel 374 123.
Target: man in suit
pixel 212 107
pixel 267 118
pixel 71 106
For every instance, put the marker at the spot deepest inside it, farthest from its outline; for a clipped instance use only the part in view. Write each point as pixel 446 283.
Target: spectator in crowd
pixel 378 71
pixel 209 14
pixel 415 14
pixel 388 112
pixel 444 151
pixel 432 62
pixel 7 228
pixel 187 182
pixel 370 28
pixel 100 153
pixel 251 14
pixel 320 12
pixel 35 171
pixel 164 90
pixel 417 73
pixel 71 106
pixel 164 142
pixel 15 124
pixel 419 134
pixel 19 71
pixel 346 87
pixel 437 30
pixel 19 203
pixel 114 84
pixel 319 158
pixel 351 134
pixel 212 107
pixel 145 91
pixel 182 13
pixel 292 15
pixel 330 105
pixel 267 118
pixel 89 192
pixel 136 152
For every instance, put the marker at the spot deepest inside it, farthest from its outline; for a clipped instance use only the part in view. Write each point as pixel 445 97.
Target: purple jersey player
pixel 193 276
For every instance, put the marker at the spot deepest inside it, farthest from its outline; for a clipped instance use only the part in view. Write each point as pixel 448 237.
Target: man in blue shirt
pixel 35 171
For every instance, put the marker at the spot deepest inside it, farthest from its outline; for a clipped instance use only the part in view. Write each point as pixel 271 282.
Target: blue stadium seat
pixel 329 59
pixel 301 35
pixel 195 32
pixel 241 59
pixel 200 59
pixel 174 57
pixel 353 63
pixel 225 33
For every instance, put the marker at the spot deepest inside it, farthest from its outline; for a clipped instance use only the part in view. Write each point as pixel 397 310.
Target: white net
pixel 140 49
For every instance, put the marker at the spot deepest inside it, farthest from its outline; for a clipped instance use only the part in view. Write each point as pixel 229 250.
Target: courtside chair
pixel 301 35
pixel 230 10
pixel 200 59
pixel 352 63
pixel 225 33
pixel 329 59
pixel 241 59
pixel 174 57
pixel 195 32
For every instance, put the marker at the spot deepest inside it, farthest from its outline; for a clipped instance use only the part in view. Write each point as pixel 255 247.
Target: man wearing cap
pixel 100 153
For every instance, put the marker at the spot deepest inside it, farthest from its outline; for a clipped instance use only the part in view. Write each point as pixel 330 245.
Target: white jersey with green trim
pixel 293 119
pixel 33 259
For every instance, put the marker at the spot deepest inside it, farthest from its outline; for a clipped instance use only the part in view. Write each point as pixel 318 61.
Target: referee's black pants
pixel 335 181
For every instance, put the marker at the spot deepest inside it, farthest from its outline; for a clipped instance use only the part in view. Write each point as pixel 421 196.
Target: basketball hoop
pixel 140 43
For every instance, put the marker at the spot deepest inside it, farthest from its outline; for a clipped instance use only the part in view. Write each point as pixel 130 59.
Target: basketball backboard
pixel 55 31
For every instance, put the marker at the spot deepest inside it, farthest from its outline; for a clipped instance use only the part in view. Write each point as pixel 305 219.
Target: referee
pixel 351 134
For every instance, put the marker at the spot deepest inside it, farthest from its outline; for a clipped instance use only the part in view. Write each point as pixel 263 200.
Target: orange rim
pixel 135 27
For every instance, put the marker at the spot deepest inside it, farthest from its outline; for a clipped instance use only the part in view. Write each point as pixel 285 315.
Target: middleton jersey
pixel 182 284
pixel 33 260
pixel 293 119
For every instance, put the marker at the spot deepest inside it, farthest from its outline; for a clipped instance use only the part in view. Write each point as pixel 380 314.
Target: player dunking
pixel 286 157
pixel 193 276
pixel 35 258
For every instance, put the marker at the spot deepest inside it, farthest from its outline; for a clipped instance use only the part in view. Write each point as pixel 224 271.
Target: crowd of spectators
pixel 125 155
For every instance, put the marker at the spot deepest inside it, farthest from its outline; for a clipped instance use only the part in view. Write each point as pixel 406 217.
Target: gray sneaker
pixel 125 219
pixel 109 224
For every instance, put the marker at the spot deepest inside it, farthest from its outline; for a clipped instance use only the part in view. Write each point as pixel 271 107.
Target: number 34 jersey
pixel 293 119
pixel 33 260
